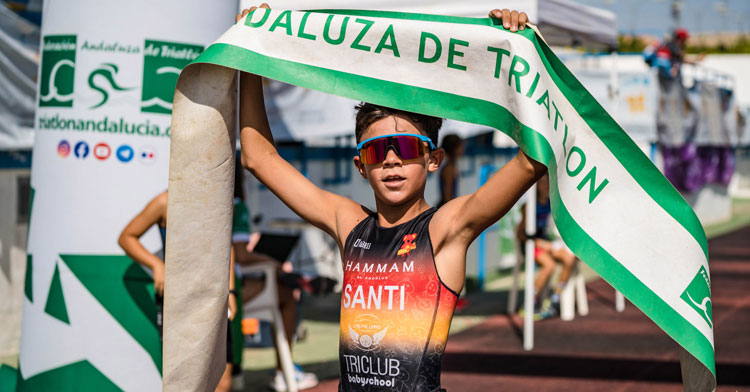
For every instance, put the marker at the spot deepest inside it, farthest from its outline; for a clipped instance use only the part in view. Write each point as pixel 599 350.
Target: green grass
pixel 740 218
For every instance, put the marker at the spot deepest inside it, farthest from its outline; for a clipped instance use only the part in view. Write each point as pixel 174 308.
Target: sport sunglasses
pixel 406 145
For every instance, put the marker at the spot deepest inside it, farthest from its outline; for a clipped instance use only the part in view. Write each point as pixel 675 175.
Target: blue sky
pixel 654 16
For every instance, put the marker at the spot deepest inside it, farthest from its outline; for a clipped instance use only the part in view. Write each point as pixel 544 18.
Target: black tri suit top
pixel 395 311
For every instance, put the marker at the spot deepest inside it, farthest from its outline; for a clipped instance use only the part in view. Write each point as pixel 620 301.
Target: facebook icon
pixel 81 150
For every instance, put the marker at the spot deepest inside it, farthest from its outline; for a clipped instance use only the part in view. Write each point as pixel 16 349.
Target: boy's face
pixel 396 181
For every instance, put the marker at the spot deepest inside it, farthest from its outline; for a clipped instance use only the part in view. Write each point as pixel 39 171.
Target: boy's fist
pixel 512 20
pixel 248 10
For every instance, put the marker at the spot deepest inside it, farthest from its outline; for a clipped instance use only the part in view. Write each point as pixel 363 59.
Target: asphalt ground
pixel 606 350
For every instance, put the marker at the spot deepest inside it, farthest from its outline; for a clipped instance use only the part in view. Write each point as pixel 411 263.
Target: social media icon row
pixel 102 151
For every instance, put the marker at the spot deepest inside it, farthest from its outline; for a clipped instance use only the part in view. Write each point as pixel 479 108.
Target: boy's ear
pixel 436 158
pixel 360 167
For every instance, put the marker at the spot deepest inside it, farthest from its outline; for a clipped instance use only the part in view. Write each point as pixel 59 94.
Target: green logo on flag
pixel 58 70
pixel 108 72
pixel 162 63
pixel 698 295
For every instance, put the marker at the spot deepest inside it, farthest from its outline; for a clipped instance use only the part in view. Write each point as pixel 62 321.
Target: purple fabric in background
pixel 688 167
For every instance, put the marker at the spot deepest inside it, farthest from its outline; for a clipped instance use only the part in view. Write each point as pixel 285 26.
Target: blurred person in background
pixel 450 173
pixel 669 55
pixel 547 253
pixel 155 213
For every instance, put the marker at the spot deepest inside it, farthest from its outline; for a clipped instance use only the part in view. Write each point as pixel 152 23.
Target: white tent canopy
pixel 564 22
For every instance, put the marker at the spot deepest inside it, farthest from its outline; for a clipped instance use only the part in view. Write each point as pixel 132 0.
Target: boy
pixel 403 263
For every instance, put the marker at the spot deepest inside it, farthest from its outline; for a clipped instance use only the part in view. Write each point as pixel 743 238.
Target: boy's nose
pixel 391 158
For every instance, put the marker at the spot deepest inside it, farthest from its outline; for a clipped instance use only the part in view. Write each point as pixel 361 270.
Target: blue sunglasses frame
pixel 420 137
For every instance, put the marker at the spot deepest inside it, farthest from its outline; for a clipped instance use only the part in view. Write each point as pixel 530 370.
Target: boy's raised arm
pixel 470 215
pixel 332 213
pixel 467 216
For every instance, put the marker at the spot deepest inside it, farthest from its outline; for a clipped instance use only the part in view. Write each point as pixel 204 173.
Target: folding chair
pixel 265 306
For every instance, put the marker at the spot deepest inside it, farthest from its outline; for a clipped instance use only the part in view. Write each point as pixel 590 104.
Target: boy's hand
pixel 159 278
pixel 249 10
pixel 512 20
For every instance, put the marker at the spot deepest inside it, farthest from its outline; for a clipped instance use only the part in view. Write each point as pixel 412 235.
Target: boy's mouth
pixel 393 180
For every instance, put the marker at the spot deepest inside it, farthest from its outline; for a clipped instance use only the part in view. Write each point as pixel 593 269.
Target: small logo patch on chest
pixel 408 245
pixel 359 243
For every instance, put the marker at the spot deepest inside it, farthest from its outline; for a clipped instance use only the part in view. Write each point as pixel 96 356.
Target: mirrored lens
pixel 373 152
pixel 407 147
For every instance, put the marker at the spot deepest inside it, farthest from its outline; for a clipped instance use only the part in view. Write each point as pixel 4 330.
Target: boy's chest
pixel 389 297
pixel 397 274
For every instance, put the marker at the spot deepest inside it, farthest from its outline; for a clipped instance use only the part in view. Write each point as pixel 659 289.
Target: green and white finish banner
pixel 611 204
pixel 106 82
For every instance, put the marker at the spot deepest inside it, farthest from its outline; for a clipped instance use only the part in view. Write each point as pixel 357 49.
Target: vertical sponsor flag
pixel 612 206
pixel 100 154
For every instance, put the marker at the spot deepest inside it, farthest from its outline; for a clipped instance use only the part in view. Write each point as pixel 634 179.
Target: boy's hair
pixel 368 114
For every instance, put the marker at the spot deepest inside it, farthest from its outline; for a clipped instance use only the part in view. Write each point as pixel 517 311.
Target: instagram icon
pixel 63 149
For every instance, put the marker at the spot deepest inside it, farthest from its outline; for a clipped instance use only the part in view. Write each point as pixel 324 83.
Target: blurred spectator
pixel 547 253
pixel 668 56
pixel 450 173
pixel 155 213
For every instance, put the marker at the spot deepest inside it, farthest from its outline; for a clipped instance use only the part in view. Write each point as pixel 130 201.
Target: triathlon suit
pixel 160 305
pixel 395 311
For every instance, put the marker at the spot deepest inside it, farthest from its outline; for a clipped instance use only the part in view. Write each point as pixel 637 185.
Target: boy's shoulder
pixel 348 218
pixel 443 223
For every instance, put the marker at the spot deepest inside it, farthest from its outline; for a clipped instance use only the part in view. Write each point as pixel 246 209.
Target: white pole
pixel 619 301
pixel 614 85
pixel 528 321
pixel 615 99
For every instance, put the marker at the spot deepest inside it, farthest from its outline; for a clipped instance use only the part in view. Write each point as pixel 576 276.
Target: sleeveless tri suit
pixel 395 311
